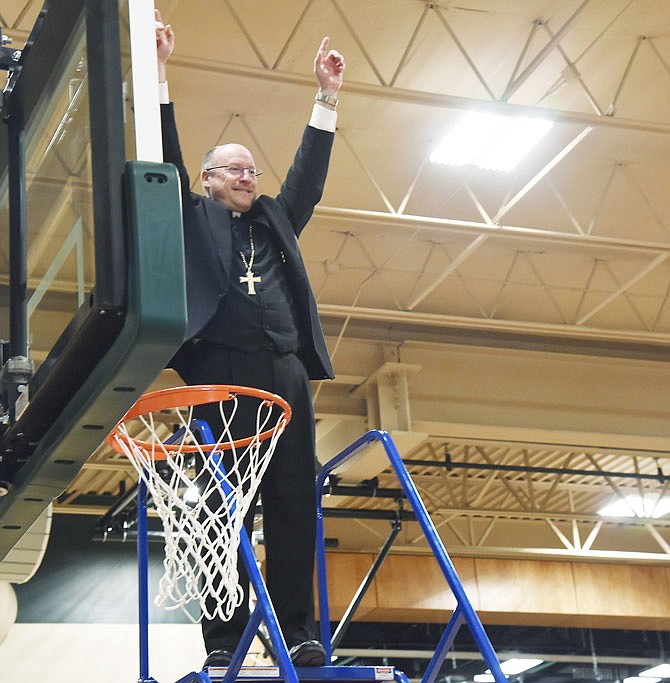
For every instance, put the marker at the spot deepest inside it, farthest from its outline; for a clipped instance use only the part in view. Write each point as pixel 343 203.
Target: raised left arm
pixel 329 71
pixel 304 183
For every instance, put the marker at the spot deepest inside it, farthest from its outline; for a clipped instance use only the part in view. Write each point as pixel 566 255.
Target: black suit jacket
pixel 207 239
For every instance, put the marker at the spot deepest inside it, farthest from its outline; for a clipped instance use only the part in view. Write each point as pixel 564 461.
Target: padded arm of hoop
pixel 151 333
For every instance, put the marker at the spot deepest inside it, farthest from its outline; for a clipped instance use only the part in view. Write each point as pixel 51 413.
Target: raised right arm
pixel 164 45
pixel 171 148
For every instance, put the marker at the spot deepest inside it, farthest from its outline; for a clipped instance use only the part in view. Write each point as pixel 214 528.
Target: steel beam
pixel 423 98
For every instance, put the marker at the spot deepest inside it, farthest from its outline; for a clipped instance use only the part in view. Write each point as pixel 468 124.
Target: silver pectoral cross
pixel 250 279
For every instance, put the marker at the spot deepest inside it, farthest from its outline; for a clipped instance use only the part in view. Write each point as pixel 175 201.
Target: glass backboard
pixel 97 227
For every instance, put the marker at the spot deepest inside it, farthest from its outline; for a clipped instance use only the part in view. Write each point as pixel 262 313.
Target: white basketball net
pixel 202 530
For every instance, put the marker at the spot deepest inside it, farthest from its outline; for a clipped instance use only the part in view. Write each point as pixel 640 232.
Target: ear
pixel 204 181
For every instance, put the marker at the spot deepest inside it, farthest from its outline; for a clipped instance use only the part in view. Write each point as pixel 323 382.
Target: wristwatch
pixel 328 99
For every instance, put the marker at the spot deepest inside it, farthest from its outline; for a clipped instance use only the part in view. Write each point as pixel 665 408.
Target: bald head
pixel 230 148
pixel 235 191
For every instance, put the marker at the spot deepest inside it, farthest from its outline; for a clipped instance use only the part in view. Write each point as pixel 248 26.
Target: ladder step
pixel 316 673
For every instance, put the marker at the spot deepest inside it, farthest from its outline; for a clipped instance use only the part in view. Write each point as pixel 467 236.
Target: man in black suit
pixel 252 321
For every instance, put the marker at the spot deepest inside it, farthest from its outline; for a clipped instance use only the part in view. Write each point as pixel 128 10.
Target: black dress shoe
pixel 309 653
pixel 218 658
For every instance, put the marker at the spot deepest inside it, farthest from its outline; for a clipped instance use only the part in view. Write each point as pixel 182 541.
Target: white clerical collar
pixel 236 214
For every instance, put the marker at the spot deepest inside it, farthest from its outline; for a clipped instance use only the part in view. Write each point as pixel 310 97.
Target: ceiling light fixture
pixel 192 494
pixel 490 141
pixel 662 670
pixel 638 506
pixel 510 667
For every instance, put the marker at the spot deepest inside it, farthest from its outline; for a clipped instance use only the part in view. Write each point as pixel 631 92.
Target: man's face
pixel 236 191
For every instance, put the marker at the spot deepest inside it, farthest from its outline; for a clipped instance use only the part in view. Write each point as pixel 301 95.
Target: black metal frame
pixel 99 320
pixel 350 612
pixel 450 464
pixel 108 155
pixel 18 319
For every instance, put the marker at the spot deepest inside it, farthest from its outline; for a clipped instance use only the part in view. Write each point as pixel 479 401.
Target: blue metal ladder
pixel 264 610
pixel 464 612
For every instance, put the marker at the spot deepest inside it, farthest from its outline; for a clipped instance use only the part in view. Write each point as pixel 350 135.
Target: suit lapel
pixel 286 238
pixel 218 220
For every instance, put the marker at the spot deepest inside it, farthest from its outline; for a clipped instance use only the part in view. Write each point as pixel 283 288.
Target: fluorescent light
pixel 641 679
pixel 192 494
pixel 490 141
pixel 638 506
pixel 510 667
pixel 662 670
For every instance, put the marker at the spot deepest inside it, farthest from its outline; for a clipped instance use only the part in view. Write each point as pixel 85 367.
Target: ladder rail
pixel 464 613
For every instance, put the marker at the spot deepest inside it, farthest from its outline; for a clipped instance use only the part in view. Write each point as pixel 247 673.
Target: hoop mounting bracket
pixel 9 57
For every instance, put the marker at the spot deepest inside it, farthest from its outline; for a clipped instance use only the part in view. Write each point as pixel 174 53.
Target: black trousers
pixel 287 490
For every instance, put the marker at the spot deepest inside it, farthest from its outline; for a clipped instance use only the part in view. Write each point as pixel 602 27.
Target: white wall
pixel 108 653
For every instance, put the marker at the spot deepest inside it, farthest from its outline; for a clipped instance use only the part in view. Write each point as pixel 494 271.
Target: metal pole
pixel 464 612
pixel 266 611
pixel 18 369
pixel 320 566
pixel 108 152
pixel 321 578
pixel 450 464
pixel 423 518
pixel 396 526
pixel 446 641
pixel 143 580
pixel 18 320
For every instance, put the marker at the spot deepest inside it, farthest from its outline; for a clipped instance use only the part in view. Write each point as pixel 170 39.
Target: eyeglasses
pixel 237 171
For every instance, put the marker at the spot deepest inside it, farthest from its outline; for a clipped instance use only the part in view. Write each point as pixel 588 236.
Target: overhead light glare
pixel 490 141
pixel 641 679
pixel 510 667
pixel 192 494
pixel 638 506
pixel 662 670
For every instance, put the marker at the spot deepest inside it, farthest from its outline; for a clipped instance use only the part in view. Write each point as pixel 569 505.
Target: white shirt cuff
pixel 323 118
pixel 163 93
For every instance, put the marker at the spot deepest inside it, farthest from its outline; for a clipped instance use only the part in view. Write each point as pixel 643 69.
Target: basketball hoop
pixel 201 485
